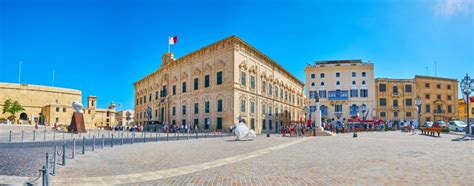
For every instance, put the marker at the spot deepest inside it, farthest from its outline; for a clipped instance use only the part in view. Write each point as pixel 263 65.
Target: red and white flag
pixel 173 40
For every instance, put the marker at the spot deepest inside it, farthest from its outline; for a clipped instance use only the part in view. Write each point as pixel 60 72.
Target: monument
pixel 77 122
pixel 243 133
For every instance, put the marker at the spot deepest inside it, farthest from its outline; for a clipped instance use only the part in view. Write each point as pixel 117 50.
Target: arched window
pixel 338 83
pixel 363 82
pixel 354 110
pixel 312 84
pixel 322 83
pixel 364 74
pixel 353 82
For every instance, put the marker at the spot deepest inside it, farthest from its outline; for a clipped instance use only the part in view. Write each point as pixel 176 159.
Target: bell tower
pixel 91 102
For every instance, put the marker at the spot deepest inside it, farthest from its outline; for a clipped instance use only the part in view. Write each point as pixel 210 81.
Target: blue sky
pixel 101 47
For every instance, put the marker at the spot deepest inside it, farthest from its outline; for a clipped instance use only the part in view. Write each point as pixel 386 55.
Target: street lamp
pixel 467 87
pixel 317 121
pixel 418 105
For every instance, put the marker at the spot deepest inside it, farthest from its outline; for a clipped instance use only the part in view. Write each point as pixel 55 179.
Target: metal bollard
pixel 44 135
pixel 64 154
pixel 80 134
pixel 73 148
pixel 112 141
pixel 133 137
pixel 156 135
pixel 63 135
pixel 121 136
pixel 214 134
pixel 54 134
pixel 22 134
pixel 188 135
pixel 45 176
pixel 93 142
pixel 167 136
pixel 34 135
pixel 144 137
pixel 10 137
pixel 83 145
pixel 108 134
pixel 103 141
pixel 55 159
pixel 128 133
pixel 89 134
pixel 71 136
pixel 197 137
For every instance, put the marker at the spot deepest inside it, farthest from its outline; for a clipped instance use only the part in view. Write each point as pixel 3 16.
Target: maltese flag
pixel 173 40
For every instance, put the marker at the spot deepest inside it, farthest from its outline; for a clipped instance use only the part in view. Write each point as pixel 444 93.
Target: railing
pixel 395 94
pixel 395 107
pixel 439 111
pixel 338 95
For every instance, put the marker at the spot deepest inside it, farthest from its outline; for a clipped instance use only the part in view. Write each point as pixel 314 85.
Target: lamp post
pixel 364 109
pixel 418 105
pixel 149 115
pixel 317 121
pixel 467 87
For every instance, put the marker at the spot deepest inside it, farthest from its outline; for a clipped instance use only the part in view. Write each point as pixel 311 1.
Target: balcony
pixel 395 107
pixel 338 95
pixel 439 111
pixel 395 94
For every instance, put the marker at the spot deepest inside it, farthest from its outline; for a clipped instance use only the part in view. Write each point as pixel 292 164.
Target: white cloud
pixel 454 7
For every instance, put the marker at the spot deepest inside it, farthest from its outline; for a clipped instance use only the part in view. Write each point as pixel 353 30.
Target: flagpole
pixel 168 44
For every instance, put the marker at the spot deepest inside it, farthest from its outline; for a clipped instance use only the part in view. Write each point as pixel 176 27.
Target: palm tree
pixel 12 107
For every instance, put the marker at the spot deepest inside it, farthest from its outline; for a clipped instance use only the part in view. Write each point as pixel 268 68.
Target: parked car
pixel 457 125
pixel 439 124
pixel 428 124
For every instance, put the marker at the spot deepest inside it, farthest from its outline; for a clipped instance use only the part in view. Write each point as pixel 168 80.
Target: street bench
pixel 430 131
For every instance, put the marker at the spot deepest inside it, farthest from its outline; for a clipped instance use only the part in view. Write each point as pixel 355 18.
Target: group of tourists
pixel 295 129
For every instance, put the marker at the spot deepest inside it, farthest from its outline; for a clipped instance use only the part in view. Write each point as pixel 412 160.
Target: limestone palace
pixel 213 86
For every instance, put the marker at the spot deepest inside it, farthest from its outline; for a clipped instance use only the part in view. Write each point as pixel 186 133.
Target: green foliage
pixel 12 107
pixel 445 130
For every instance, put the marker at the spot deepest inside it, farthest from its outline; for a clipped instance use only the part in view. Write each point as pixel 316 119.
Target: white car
pixel 457 125
pixel 428 124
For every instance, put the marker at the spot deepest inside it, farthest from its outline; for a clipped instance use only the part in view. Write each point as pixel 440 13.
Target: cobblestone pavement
pixel 372 158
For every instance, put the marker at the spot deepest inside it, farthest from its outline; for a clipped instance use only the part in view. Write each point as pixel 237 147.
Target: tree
pixel 12 108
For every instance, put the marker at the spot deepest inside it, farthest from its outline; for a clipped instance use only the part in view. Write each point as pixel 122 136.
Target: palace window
pixel 219 105
pixel 364 74
pixel 383 102
pixel 321 75
pixel 144 99
pixel 382 114
pixel 408 88
pixel 183 87
pixel 313 76
pixel 322 94
pixel 427 108
pixel 363 82
pixel 427 96
pixel 354 92
pixel 183 110
pixel 252 107
pixel 449 87
pixel 174 111
pixel 353 82
pixel 438 86
pixel 270 89
pixel 338 108
pixel 243 78
pixel 219 78
pixel 450 109
pixel 395 103
pixel 338 83
pixel 427 85
pixel 408 114
pixel 196 108
pixel 353 74
pixel 206 107
pixel 196 83
pixel 206 81
pixel 242 106
pixel 264 87
pixel 438 97
pixel 364 93
pixel 408 102
pixel 382 87
pixel 174 89
pixel 338 74
pixel 322 83
pixel 252 82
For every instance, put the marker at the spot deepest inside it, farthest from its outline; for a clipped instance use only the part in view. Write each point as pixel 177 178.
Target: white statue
pixel 77 106
pixel 242 132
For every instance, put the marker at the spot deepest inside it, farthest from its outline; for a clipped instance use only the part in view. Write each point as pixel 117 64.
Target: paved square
pixel 372 158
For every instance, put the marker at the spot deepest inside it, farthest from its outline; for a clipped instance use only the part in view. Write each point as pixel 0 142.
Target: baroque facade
pixel 396 98
pixel 212 87
pixel 462 109
pixel 343 86
pixel 121 117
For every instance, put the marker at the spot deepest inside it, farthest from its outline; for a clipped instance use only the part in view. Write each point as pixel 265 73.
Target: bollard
pixel 63 136
pixel 178 134
pixel 22 134
pixel 54 134
pixel 10 137
pixel 108 134
pixel 34 135
pixel 93 143
pixel 89 134
pixel 46 171
pixel 156 135
pixel 221 134
pixel 127 133
pixel 214 134
pixel 167 136
pixel 80 134
pixel 71 136
pixel 197 137
pixel 64 154
pixel 83 145
pixel 73 148
pixel 44 135
pixel 103 141
pixel 188 135
pixel 205 134
pixel 144 137
pixel 133 137
pixel 112 141
pixel 121 136
pixel 55 159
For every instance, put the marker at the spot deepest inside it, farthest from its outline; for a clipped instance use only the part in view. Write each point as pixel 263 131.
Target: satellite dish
pixel 77 106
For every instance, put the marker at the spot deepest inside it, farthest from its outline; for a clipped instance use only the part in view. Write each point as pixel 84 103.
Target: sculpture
pixel 77 121
pixel 242 132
